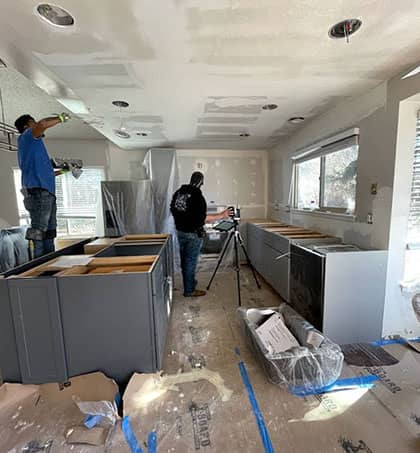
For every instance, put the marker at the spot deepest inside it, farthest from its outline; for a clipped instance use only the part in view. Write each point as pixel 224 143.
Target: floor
pixel 214 413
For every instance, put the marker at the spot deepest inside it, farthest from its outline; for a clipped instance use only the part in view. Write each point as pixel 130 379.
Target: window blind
pixel 414 216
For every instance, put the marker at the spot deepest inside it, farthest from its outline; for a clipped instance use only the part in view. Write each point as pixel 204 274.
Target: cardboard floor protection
pixel 209 411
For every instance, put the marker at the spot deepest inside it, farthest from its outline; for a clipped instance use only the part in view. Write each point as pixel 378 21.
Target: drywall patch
pixel 201 165
pixel 226 131
pixel 228 119
pixel 248 105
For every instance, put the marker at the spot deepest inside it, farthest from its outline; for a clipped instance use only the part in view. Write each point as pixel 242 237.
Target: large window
pixel 77 202
pixel 326 179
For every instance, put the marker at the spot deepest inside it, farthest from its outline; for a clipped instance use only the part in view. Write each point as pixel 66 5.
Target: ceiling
pixel 20 96
pixel 196 73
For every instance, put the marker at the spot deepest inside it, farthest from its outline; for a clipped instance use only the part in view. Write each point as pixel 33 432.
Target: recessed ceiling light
pixel 296 119
pixel 120 133
pixel 244 134
pixel 55 15
pixel 344 29
pixel 269 107
pixel 120 104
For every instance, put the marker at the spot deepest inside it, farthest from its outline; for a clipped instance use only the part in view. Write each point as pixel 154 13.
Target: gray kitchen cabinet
pixel 38 332
pixel 117 323
pixel 108 324
pixel 56 324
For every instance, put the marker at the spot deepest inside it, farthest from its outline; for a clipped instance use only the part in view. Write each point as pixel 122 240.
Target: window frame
pixel 322 150
pixel 26 218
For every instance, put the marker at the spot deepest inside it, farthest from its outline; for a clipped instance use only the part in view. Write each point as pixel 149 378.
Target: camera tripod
pixel 238 242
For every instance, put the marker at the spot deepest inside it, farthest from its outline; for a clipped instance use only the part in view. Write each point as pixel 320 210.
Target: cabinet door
pixel 9 365
pixel 39 335
pixel 161 309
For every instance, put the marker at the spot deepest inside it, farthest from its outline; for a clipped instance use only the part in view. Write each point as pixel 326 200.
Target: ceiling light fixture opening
pixel 344 29
pixel 120 104
pixel 296 119
pixel 269 107
pixel 121 133
pixel 244 134
pixel 55 15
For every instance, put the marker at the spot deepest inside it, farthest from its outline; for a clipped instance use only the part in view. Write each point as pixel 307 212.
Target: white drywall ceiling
pixel 196 73
pixel 21 96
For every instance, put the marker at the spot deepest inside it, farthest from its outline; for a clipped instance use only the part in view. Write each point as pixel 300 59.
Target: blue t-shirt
pixel 37 170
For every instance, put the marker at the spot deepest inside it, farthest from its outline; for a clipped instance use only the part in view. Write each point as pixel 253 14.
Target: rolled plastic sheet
pixel 14 248
pixel 309 366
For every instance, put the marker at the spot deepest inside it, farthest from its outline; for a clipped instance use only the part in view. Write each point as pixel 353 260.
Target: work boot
pixel 196 293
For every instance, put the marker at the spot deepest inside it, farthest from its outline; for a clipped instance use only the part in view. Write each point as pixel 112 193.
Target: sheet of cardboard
pixel 399 386
pixel 47 411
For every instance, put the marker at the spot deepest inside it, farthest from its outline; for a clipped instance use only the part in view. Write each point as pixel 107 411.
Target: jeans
pixel 42 208
pixel 189 249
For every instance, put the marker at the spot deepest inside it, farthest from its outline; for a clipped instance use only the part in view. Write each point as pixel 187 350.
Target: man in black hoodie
pixel 189 209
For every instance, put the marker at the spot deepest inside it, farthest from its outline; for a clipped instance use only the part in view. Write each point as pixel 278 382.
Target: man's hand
pixel 64 117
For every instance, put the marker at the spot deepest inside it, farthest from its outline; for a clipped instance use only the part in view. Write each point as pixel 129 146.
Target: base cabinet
pixel 59 325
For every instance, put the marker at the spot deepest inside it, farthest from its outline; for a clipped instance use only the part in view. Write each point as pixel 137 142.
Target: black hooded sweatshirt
pixel 189 209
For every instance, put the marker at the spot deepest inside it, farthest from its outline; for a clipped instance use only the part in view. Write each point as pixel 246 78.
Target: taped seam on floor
pixel 130 436
pixel 152 442
pixel 265 436
pixel 385 342
pixel 341 384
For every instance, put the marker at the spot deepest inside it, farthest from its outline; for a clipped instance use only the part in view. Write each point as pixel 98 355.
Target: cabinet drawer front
pixel 39 335
pixel 280 243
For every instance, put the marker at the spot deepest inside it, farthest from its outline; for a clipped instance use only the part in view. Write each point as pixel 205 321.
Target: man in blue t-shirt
pixel 38 180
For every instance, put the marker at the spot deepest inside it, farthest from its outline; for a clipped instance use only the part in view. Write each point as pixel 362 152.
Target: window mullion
pixel 321 203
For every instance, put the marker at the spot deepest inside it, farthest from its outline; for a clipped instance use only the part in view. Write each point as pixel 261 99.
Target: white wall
pixel 387 131
pixel 369 114
pixel 231 177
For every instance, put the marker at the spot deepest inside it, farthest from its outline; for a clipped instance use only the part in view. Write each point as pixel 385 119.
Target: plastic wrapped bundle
pixel 315 363
pixel 13 248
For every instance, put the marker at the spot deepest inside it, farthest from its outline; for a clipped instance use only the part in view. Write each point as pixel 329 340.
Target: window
pixel 77 202
pixel 325 180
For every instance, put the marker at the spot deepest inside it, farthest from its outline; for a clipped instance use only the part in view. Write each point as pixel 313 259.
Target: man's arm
pixel 44 124
pixel 220 216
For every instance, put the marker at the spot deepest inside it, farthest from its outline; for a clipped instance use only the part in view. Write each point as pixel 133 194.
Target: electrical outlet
pixel 374 188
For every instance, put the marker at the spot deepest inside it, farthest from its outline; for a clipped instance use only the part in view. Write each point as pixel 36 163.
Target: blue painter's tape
pixel 152 442
pixel 385 342
pixel 129 435
pixel 265 436
pixel 341 384
pixel 92 420
pixel 118 399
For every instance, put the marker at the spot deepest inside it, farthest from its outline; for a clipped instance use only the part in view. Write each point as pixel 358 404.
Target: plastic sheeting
pixel 128 207
pixel 307 366
pixel 161 167
pixel 14 249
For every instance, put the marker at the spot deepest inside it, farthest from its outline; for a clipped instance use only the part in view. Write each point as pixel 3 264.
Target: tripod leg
pixel 241 242
pixel 225 247
pixel 237 264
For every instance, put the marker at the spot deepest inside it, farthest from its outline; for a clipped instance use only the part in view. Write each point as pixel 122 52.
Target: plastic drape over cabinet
pixel 305 366
pixel 14 249
pixel 128 207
